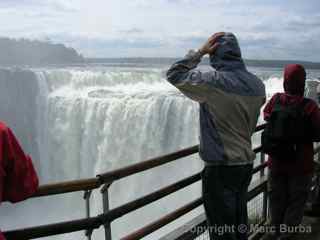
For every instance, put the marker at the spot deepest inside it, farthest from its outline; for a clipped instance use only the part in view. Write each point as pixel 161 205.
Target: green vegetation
pixel 34 52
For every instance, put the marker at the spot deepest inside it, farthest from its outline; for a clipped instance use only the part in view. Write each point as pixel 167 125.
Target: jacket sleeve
pixel 192 83
pixel 21 179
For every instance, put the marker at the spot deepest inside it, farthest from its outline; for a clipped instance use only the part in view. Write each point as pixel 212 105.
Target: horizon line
pixel 246 59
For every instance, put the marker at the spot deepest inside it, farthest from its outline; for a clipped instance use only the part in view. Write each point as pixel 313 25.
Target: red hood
pixel 294 79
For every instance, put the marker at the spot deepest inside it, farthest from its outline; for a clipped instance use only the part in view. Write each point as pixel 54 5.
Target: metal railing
pixel 105 180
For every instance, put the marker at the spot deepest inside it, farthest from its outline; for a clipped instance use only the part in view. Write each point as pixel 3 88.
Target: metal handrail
pixel 151 227
pixel 68 186
pixel 109 177
pixel 89 184
pixel 56 228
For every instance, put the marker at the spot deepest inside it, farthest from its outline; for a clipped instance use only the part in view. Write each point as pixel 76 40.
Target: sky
pixel 266 29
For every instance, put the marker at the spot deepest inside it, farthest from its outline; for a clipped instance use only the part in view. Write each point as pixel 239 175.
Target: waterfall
pixel 79 122
pixel 89 122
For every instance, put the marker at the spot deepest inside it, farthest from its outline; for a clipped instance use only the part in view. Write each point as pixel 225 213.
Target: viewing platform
pixel 314 222
pixel 193 229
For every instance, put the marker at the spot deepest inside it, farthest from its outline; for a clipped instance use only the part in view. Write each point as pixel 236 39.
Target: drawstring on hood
pixel 294 79
pixel 228 53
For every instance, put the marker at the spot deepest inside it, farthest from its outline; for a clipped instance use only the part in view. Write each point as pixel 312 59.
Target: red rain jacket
pixel 18 178
pixel 294 81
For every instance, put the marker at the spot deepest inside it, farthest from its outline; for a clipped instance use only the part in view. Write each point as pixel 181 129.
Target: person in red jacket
pixel 18 178
pixel 289 181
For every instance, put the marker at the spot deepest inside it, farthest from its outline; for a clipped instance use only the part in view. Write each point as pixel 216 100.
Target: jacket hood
pixel 228 54
pixel 294 79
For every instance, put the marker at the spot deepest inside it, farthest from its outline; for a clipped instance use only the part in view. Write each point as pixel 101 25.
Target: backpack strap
pixel 304 102
pixel 277 103
pixel 277 100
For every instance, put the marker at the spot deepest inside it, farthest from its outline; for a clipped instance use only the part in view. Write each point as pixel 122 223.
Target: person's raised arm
pixel 190 82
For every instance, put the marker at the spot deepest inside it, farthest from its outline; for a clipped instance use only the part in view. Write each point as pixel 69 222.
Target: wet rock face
pixel 19 96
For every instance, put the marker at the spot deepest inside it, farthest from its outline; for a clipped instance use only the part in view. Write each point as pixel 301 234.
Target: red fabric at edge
pixel 18 178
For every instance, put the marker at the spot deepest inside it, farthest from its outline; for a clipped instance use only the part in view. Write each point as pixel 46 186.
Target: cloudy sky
pixel 267 29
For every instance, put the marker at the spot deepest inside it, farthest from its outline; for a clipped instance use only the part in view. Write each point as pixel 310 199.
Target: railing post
pixel 262 161
pixel 86 196
pixel 316 203
pixel 265 193
pixel 317 145
pixel 105 202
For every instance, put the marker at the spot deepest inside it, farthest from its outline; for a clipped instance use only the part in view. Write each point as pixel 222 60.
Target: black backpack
pixel 287 127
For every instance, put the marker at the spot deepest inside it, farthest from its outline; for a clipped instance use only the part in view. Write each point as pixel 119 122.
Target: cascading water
pixel 79 122
pixel 91 122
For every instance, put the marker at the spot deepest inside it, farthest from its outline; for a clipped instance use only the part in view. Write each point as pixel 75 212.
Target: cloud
pixel 52 5
pixel 130 31
pixel 266 29
pixel 298 24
